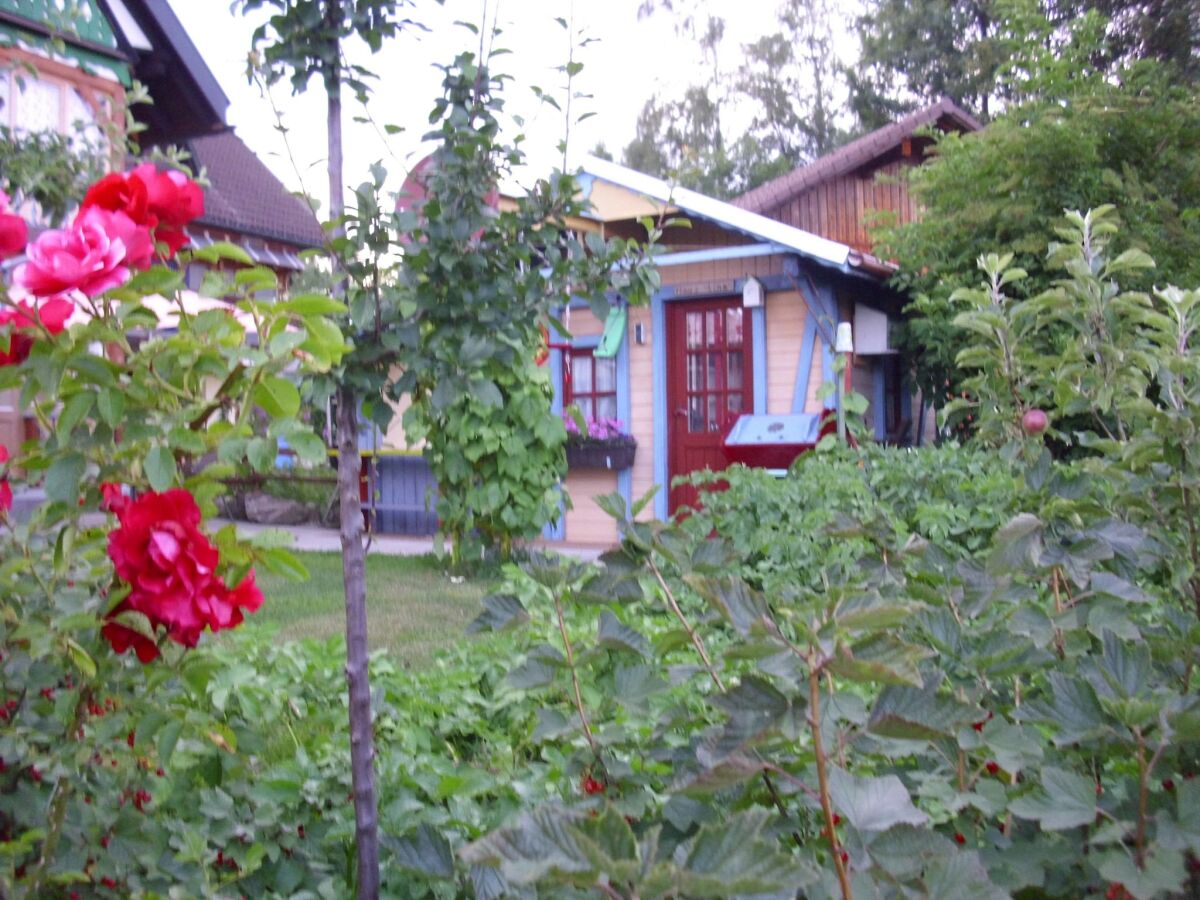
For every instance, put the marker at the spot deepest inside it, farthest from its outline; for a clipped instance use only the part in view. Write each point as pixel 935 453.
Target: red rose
pixel 21 325
pixel 14 233
pixel 174 200
pixel 121 192
pixel 171 569
pixel 6 496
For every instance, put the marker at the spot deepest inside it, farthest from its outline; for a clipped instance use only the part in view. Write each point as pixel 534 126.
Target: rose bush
pixel 99 569
pixel 13 230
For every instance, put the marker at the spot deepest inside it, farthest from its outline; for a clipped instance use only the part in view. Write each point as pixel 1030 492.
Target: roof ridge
pixel 852 155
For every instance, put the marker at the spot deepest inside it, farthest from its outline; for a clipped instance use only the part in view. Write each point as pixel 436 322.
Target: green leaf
pixel 111 404
pixel 314 305
pixel 261 453
pixel 424 851
pixel 1065 800
pixel 615 635
pixel 872 804
pixel 740 604
pixel 76 407
pixel 278 397
pixel 880 659
pixel 501 612
pixel 539 669
pixel 1164 873
pixel 83 662
pixel 62 478
pixel 919 714
pixel 160 468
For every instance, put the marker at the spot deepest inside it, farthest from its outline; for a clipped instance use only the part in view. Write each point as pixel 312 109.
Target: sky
pixel 626 61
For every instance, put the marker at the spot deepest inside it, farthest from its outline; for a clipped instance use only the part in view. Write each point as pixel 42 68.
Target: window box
pixel 591 454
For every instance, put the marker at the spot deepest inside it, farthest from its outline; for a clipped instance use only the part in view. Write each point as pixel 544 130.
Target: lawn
pixel 413 608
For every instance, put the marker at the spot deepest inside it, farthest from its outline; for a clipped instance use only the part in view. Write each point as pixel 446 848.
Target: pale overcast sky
pixel 627 62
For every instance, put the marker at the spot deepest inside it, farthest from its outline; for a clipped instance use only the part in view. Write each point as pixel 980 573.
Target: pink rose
pixel 13 230
pixel 90 256
pixel 174 200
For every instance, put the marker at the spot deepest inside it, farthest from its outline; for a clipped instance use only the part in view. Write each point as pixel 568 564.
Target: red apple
pixel 1034 422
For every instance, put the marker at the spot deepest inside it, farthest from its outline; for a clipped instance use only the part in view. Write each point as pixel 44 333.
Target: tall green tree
pixel 1131 144
pixel 303 39
pixel 787 89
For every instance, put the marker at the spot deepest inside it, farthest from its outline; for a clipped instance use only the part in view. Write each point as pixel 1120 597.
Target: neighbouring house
pixel 743 326
pixel 77 85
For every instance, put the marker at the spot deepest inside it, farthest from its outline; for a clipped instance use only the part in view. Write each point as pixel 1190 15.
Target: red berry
pixel 104 841
pixel 47 693
pixel 837 820
pixel 592 786
pixel 160 773
pixel 129 740
pixel 1034 422
pixel 109 883
pixel 36 774
pixel 992 766
pixel 300 831
pixel 1168 784
pixel 845 857
pixel 959 837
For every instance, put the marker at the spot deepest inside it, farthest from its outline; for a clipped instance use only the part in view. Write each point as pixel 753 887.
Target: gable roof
pixel 244 196
pixel 785 238
pixel 187 98
pixel 855 154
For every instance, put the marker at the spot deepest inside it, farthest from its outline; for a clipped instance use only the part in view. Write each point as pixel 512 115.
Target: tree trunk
pixel 362 731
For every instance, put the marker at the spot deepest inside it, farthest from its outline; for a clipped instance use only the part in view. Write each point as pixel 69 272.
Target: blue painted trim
pixel 879 398
pixel 828 302
pixel 625 414
pixel 808 345
pixel 658 362
pixel 906 402
pixel 716 254
pixel 758 340
pixel 769 283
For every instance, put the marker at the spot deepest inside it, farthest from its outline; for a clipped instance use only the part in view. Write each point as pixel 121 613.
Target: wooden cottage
pixel 743 325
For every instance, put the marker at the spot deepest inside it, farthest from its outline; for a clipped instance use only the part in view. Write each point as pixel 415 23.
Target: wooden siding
pixel 816 378
pixel 786 317
pixel 587 523
pixel 841 208
pixel 641 406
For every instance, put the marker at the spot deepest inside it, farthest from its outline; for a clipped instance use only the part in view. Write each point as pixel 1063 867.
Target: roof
pixel 187 98
pixel 244 196
pixel 855 154
pixel 785 237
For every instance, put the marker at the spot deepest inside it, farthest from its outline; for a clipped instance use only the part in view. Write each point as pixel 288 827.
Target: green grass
pixel 413 608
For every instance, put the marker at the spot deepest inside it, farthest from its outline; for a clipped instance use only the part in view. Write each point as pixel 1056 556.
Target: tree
pixel 306 38
pixel 914 52
pixel 788 84
pixel 1129 144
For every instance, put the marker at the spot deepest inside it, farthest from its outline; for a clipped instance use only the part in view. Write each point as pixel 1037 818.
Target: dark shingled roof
pixel 855 154
pixel 244 196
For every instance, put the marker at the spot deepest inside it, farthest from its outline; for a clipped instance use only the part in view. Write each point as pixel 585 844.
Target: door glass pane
pixel 713 326
pixel 606 375
pixel 695 330
pixel 733 327
pixel 695 414
pixel 714 412
pixel 695 373
pixel 606 407
pixel 581 374
pixel 735 404
pixel 716 379
pixel 734 372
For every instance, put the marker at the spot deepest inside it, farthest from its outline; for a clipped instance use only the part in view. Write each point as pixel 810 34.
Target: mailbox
pixel 773 442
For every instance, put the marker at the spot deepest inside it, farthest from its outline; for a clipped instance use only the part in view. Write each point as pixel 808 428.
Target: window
pixel 40 101
pixel 591 384
pixel 715 354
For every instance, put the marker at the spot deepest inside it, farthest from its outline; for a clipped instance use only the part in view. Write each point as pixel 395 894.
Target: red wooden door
pixel 709 384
